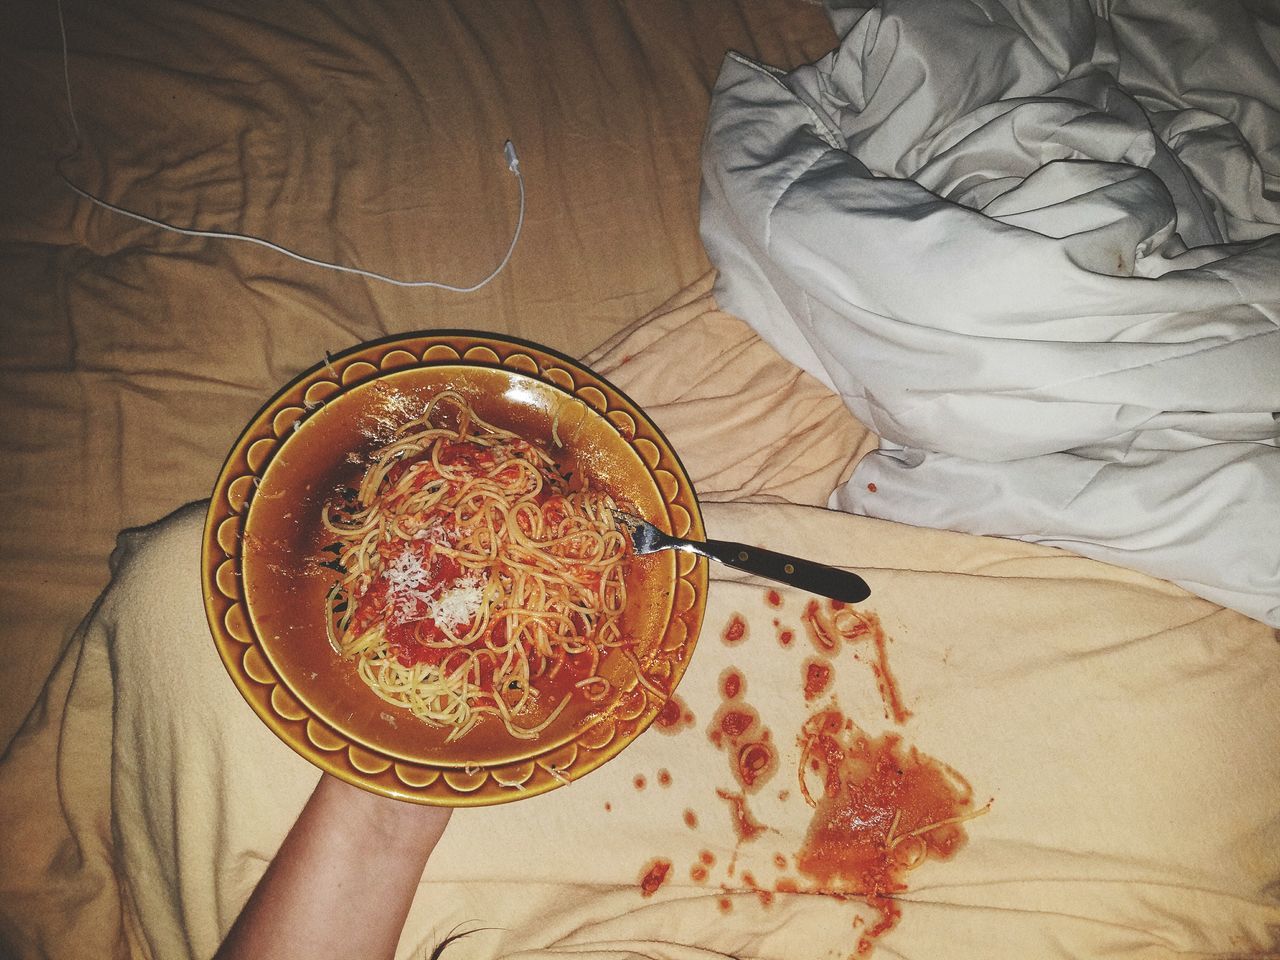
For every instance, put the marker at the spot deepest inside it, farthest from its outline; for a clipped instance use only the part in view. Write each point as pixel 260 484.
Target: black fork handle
pixel 795 572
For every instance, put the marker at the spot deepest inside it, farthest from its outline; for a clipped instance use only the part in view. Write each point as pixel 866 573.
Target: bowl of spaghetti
pixel 414 574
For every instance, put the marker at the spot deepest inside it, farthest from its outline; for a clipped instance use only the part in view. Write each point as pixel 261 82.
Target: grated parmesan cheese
pixel 457 606
pixel 433 532
pixel 406 578
pixel 406 572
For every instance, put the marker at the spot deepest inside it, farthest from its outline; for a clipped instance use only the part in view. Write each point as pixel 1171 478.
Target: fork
pixel 796 572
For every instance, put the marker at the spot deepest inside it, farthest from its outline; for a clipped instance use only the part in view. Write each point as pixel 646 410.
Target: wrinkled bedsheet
pixel 1122 729
pixel 1036 247
pixel 368 132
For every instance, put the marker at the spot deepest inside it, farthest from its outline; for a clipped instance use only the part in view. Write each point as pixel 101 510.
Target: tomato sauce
pixel 757 762
pixel 567 668
pixel 731 684
pixel 881 809
pixel 453 453
pixel 413 636
pixel 745 825
pixel 887 683
pixel 655 876
pixel 829 629
pixel 369 606
pixel 734 723
pixel 735 630
pixel 817 678
pixel 736 729
pixel 773 598
pixel 674 716
pixel 822 634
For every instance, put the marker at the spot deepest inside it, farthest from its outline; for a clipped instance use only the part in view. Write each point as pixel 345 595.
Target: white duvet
pixel 1036 247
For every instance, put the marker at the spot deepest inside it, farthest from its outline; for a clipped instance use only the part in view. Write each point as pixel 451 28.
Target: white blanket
pixel 1027 244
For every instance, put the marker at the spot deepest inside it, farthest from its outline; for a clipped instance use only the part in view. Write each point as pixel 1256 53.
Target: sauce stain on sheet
pixel 735 631
pixel 879 808
pixel 674 716
pixel 654 876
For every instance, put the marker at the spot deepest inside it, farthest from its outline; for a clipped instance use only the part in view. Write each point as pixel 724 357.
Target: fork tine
pixel 645 537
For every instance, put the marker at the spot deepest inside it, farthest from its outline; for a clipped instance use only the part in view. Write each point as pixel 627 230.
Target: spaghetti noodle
pixel 474 580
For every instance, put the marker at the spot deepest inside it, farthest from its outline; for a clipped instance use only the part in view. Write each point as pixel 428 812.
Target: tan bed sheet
pixel 369 132
pixel 1124 730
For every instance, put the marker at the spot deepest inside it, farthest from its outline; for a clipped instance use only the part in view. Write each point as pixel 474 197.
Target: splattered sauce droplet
pixel 674 716
pixel 817 678
pixel 735 630
pixel 737 730
pixel 745 825
pixel 731 684
pixel 654 876
pixel 734 723
pixel 757 761
pixel 853 626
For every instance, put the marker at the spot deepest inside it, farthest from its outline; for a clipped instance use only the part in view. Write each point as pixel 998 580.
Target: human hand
pixel 348 846
pixel 388 819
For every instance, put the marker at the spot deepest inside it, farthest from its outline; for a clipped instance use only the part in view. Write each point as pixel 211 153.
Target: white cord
pixel 508 148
